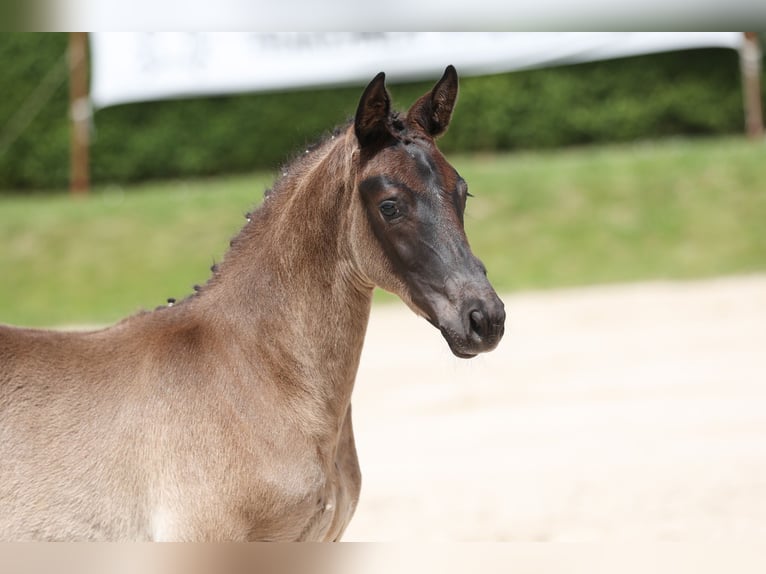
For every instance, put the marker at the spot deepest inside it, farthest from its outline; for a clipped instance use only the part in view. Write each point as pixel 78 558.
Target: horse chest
pixel 328 516
pixel 325 509
pixel 300 498
pixel 328 491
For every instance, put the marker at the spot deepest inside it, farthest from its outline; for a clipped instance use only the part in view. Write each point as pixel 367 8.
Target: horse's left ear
pixel 432 112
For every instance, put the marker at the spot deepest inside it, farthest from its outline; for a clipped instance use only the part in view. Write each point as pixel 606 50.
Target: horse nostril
pixel 478 323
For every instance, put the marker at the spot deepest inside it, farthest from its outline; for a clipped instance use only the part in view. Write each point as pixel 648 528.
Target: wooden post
pixel 750 62
pixel 79 113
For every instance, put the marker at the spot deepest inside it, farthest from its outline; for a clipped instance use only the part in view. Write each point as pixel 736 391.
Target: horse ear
pixel 433 111
pixel 371 120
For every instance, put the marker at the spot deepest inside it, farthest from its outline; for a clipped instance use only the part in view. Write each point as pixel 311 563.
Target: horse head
pixel 411 239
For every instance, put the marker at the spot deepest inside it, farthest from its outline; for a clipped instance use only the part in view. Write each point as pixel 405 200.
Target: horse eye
pixel 389 209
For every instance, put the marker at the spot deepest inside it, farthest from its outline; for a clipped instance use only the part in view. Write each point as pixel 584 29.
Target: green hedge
pixel 681 93
pixel 39 156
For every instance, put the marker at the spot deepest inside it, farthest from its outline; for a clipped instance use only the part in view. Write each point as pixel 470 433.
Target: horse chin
pixel 456 346
pixel 460 355
pixel 454 341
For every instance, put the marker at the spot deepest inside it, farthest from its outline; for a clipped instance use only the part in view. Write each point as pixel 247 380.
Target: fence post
pixel 750 62
pixel 79 114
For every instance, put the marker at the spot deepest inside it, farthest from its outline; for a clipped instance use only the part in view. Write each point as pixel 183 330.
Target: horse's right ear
pixel 371 120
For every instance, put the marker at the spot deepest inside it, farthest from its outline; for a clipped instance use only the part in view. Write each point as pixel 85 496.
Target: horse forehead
pixel 422 166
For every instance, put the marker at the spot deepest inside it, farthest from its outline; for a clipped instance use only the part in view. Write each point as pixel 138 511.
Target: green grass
pixel 675 209
pixel 121 250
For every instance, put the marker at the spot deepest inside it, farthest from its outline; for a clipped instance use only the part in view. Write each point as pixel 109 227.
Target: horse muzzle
pixel 477 327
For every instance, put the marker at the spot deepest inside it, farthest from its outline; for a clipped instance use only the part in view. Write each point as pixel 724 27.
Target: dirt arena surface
pixel 632 412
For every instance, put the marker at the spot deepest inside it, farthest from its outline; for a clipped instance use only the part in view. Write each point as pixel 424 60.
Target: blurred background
pixel 612 170
pixel 619 205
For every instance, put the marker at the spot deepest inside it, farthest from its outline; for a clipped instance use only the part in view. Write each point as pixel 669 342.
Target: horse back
pixel 43 361
pixel 55 399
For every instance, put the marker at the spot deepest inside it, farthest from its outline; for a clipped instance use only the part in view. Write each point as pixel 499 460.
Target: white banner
pixel 132 67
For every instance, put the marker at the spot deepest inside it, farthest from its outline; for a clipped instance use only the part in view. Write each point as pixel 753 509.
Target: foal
pixel 227 416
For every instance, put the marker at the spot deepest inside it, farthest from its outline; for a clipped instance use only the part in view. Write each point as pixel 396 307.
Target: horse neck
pixel 288 290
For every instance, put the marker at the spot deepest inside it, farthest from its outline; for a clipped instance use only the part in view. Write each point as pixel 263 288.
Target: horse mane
pixel 290 175
pixel 300 159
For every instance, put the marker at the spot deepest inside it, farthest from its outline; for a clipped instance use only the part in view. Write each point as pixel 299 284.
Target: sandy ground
pixel 634 412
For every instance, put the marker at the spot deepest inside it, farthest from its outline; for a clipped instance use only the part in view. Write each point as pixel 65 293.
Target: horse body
pixel 227 416
pixel 182 402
